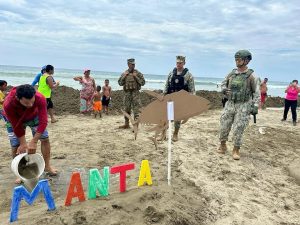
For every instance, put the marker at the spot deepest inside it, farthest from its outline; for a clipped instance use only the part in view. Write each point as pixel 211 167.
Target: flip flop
pixel 51 174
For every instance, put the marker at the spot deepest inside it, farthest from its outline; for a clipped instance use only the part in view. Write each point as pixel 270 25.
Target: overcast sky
pixel 102 34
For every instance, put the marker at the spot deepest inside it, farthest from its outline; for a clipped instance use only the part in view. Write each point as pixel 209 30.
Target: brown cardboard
pixel 186 106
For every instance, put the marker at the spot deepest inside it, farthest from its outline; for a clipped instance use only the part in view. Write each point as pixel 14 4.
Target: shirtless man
pixel 263 93
pixel 106 89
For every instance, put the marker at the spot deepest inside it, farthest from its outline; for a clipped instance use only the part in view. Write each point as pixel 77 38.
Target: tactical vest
pixel 240 86
pixel 130 82
pixel 177 82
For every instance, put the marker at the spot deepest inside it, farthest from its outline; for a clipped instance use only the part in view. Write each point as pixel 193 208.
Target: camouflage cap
pixel 180 58
pixel 131 61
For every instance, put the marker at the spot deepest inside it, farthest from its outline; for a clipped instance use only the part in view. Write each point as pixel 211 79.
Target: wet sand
pixel 207 188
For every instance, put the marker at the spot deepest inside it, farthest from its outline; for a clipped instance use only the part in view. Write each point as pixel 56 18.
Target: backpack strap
pixel 250 80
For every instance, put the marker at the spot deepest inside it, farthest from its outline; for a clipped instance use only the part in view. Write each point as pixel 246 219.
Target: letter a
pixel 145 174
pixel 75 183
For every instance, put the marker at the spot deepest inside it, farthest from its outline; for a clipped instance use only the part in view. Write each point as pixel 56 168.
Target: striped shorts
pixel 33 124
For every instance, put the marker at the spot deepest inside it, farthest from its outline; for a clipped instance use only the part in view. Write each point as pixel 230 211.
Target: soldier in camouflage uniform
pixel 131 80
pixel 179 78
pixel 241 87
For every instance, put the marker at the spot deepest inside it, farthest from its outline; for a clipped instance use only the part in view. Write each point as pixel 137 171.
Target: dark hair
pixel 98 88
pixel 25 91
pixel 266 78
pixel 295 81
pixel 107 80
pixel 2 82
pixel 49 68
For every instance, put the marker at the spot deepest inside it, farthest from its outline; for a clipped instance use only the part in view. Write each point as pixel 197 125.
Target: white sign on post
pixel 170 109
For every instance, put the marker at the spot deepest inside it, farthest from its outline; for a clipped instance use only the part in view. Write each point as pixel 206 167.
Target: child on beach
pixel 3 85
pixel 97 104
pixel 106 95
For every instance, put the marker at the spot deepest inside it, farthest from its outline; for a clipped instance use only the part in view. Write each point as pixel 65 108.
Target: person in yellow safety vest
pixel 46 84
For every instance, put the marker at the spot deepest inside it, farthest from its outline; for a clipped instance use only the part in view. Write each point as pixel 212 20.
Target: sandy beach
pixel 207 188
pixel 93 55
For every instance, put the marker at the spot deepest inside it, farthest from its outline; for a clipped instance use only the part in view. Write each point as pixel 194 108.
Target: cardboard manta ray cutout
pixel 186 106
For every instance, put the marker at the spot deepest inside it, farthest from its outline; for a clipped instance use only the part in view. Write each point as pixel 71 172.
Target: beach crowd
pixel 28 105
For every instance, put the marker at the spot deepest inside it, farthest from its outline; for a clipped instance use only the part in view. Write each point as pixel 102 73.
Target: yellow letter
pixel 145 174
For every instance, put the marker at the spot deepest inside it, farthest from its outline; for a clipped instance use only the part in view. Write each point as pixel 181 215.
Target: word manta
pixel 96 183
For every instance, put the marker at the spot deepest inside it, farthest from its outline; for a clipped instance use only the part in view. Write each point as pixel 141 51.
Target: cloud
pixel 152 28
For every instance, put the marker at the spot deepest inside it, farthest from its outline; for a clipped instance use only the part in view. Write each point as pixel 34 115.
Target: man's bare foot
pixel 54 120
pixel 18 181
pixel 51 171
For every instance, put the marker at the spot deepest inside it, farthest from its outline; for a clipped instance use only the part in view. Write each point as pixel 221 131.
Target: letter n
pixel 96 182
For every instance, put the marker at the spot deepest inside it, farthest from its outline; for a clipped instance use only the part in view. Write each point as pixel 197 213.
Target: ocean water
pixel 16 75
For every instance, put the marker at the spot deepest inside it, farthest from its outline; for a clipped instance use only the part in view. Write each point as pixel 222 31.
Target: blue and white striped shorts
pixel 33 124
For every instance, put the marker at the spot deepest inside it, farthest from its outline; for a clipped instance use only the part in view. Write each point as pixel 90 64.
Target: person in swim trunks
pixel 106 90
pixel 263 93
pixel 97 104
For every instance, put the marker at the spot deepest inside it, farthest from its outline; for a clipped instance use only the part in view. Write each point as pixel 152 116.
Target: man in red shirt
pixel 25 107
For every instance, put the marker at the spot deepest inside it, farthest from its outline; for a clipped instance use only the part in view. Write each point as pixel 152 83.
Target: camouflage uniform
pixel 236 112
pixel 188 83
pixel 131 86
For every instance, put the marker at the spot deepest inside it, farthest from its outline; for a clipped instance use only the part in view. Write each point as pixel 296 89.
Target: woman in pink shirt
pixel 291 98
pixel 87 91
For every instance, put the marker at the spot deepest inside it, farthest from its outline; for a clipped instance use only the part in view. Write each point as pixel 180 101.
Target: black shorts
pixel 105 101
pixel 49 103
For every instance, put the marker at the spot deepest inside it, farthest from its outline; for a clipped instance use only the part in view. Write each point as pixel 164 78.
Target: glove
pixel 254 110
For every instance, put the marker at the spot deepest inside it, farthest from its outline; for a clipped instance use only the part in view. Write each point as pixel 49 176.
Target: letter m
pixel 20 192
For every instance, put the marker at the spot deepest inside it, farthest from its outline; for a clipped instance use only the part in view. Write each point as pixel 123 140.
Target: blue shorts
pixel 33 124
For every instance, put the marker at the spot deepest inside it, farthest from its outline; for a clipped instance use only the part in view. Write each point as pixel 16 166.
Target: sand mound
pixel 66 100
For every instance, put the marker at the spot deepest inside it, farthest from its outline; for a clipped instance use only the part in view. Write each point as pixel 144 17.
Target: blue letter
pixel 20 192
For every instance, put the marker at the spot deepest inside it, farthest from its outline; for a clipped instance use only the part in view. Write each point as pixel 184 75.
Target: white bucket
pixel 28 167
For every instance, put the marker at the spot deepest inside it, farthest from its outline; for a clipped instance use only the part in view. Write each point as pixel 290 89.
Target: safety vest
pixel 44 88
pixel 240 86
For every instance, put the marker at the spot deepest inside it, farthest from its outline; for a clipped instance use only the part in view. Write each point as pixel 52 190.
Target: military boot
pixel 175 135
pixel 223 148
pixel 236 153
pixel 126 125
